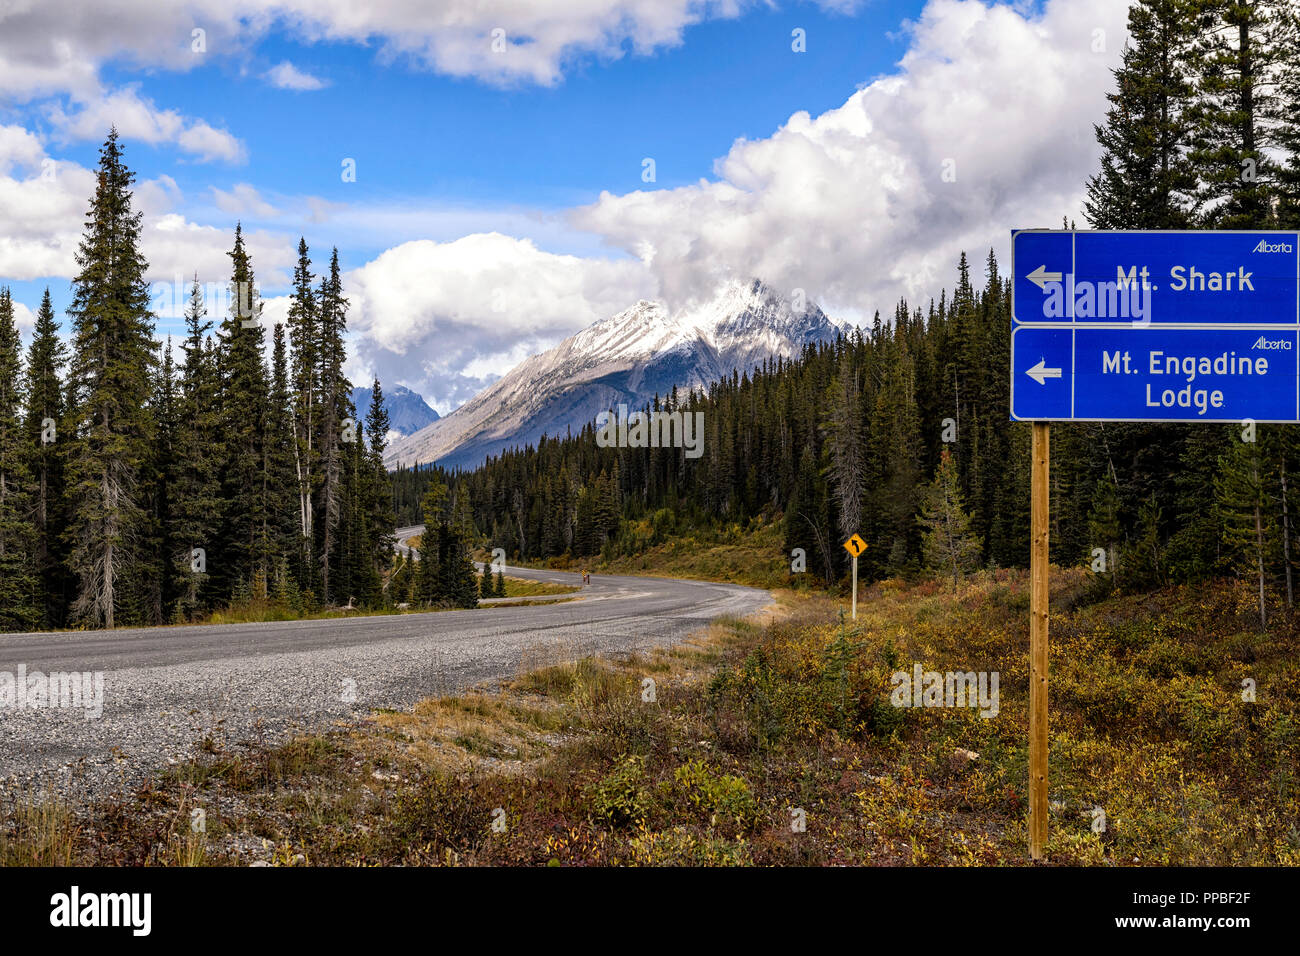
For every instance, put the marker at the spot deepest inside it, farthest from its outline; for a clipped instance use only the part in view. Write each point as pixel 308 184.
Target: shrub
pixel 618 798
pixel 724 798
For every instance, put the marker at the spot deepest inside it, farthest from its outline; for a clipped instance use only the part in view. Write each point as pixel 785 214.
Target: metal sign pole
pixel 855 588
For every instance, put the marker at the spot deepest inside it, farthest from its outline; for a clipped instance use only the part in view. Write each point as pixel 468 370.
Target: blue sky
pixel 506 189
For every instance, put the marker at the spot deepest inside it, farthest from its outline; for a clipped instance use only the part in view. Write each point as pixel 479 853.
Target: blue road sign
pixel 1155 326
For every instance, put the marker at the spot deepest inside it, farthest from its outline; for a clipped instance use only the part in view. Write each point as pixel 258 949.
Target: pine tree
pixel 159 581
pixel 460 579
pixel 896 440
pixel 807 518
pixel 377 498
pixel 399 586
pixel 1145 180
pixel 304 344
pixel 336 411
pixel 846 442
pixel 434 510
pixel 1243 510
pixel 245 547
pixel 1104 529
pixel 195 488
pixel 501 583
pixel 109 428
pixel 280 478
pixel 45 410
pixel 18 607
pixel 947 540
pixel 1238 58
pixel 1286 116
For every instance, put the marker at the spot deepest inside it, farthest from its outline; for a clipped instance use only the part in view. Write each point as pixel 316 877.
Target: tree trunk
pixel 1259 551
pixel 1286 537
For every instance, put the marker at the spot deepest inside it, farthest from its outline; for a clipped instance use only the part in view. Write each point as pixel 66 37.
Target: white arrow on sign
pixel 1040 277
pixel 1040 373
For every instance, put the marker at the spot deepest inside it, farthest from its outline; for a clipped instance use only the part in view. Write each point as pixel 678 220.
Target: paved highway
pixel 164 689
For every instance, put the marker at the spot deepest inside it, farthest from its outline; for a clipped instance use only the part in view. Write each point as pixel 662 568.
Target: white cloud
pixel 208 143
pixel 504 41
pixel 446 318
pixel 853 206
pixel 51 47
pixel 19 148
pixel 286 76
pixel 56 46
pixel 243 201
pixel 177 248
pixel 44 203
pixel 24 318
pixel 138 118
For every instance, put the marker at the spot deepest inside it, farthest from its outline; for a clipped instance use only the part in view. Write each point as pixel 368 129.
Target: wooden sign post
pixel 1038 598
pixel 855 546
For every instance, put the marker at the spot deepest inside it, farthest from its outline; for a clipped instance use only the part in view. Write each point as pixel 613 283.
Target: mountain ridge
pixel 626 358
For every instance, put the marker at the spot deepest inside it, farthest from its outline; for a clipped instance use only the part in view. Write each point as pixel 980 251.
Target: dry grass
pixel 701 754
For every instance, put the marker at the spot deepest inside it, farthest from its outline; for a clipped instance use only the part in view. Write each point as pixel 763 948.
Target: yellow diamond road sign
pixel 855 545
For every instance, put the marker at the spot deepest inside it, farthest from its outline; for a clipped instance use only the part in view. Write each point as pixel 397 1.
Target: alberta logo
pixel 1266 246
pixel 1263 343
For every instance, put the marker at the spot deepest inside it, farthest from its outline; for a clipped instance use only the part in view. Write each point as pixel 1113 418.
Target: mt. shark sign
pixel 1155 326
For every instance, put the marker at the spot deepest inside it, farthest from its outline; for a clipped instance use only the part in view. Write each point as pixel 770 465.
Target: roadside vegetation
pixel 760 727
pixel 749 553
pixel 524 587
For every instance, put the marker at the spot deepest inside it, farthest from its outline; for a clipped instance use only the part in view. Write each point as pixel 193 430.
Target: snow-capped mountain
pixel 408 412
pixel 627 358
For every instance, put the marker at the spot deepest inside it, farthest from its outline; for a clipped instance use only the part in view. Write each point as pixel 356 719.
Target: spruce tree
pixel 160 587
pixel 19 610
pixel 1104 529
pixel 1145 180
pixel 1243 510
pixel 399 585
pixel 304 345
pixel 336 423
pixel 947 541
pixel 896 450
pixel 109 429
pixel 1238 57
pixel 845 428
pixel 45 410
pixel 196 503
pixel 283 532
pixel 434 511
pixel 377 496
pixel 245 553
pixel 1286 115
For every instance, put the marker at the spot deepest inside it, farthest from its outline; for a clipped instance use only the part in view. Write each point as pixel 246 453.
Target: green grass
pixel 261 612
pixel 524 587
pixel 752 555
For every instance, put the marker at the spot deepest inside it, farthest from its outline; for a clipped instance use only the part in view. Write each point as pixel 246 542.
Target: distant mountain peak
pixel 408 412
pixel 629 357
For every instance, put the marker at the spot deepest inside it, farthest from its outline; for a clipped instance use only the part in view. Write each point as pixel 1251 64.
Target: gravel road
pixel 166 689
